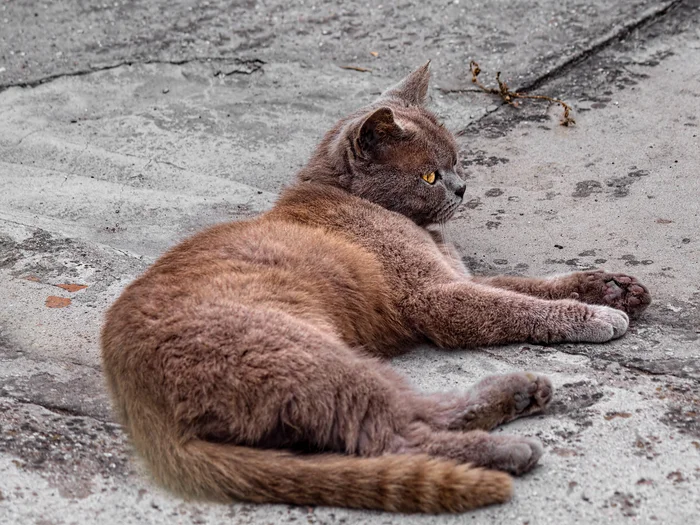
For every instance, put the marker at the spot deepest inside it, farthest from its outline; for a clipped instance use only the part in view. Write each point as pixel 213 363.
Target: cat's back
pixel 272 262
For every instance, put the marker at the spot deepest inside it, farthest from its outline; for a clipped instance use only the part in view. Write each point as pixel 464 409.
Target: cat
pixel 248 362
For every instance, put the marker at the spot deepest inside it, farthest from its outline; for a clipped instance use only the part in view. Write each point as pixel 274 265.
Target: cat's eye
pixel 429 177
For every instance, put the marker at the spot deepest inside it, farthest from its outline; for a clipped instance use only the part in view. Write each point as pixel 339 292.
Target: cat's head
pixel 396 154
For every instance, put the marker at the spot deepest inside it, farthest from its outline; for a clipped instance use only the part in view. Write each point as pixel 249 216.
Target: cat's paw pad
pixel 514 454
pixel 617 290
pixel 532 393
pixel 604 324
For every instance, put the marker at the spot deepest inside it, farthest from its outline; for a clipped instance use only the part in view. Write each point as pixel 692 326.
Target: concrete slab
pixel 40 41
pixel 147 122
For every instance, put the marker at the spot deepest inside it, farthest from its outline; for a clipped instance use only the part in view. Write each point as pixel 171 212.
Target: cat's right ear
pixel 380 126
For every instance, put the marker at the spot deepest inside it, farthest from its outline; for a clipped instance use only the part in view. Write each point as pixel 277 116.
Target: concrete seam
pixel 56 409
pixel 255 65
pixel 614 36
pixel 602 43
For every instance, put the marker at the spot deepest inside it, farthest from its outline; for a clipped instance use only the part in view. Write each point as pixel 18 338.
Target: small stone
pixel 615 368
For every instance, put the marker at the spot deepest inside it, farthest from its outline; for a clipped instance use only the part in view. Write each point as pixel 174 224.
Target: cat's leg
pixel 268 380
pixel 617 290
pixel 493 401
pixel 451 427
pixel 360 406
pixel 514 454
pixel 463 314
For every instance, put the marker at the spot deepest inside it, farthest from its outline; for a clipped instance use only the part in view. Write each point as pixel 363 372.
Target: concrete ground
pixel 126 126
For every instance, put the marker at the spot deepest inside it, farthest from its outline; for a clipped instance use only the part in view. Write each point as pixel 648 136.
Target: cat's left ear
pixel 413 89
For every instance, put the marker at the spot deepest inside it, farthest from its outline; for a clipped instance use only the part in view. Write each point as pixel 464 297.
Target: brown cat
pixel 241 363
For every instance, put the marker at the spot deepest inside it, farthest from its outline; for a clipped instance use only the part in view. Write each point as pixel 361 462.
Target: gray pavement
pixel 126 126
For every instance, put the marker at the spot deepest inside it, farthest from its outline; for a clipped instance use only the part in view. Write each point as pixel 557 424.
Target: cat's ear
pixel 413 89
pixel 376 128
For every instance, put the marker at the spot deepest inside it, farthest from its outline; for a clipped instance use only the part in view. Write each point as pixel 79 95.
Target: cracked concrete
pixel 618 33
pixel 244 67
pixel 127 126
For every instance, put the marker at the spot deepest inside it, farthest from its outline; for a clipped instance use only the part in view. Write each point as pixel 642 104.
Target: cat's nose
pixel 460 190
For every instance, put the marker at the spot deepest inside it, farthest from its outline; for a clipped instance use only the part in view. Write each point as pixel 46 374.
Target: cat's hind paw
pixel 502 398
pixel 532 393
pixel 514 454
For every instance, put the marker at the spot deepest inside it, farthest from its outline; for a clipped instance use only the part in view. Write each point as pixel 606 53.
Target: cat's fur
pixel 243 363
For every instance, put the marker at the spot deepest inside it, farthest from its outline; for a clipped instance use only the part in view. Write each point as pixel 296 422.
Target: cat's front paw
pixel 602 324
pixel 617 290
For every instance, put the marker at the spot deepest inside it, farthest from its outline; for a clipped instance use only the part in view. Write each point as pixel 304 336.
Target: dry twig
pixel 356 68
pixel 509 96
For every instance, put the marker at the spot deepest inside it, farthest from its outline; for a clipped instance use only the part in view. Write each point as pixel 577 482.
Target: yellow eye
pixel 429 177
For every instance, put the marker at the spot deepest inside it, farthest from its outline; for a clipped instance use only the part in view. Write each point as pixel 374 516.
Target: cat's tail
pixel 400 483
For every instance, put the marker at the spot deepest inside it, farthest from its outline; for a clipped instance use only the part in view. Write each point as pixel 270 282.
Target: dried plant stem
pixel 356 68
pixel 509 96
